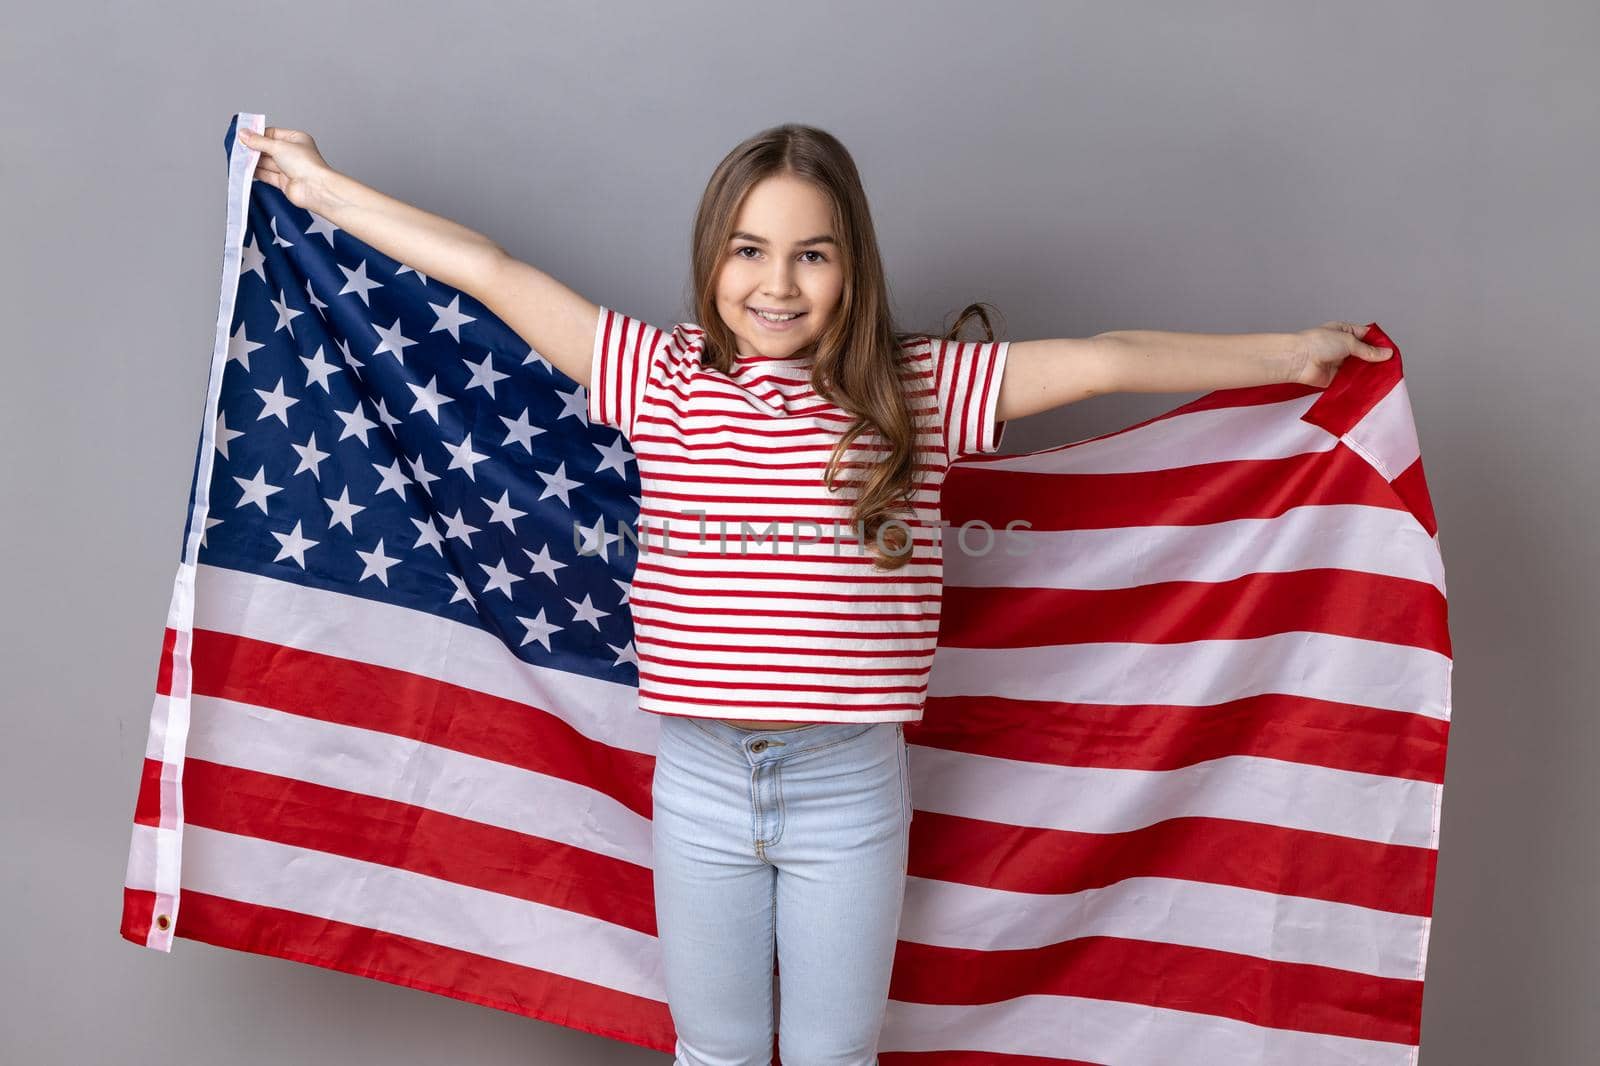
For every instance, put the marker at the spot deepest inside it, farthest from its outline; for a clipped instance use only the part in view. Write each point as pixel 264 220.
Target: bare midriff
pixel 743 724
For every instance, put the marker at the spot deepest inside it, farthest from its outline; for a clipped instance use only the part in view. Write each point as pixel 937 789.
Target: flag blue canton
pixel 381 434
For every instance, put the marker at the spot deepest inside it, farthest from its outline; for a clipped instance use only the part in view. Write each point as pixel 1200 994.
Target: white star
pixel 450 318
pixel 293 544
pixel 277 240
pixel 500 577
pixel 557 484
pixel 351 361
pixel 320 227
pixel 462 457
pixel 535 357
pixel 626 654
pixel 256 490
pixel 501 511
pixel 393 340
pixel 539 629
pixel 286 314
pixel 377 564
pixel 224 434
pixel 428 398
pixel 419 474
pixel 574 403
pixel 356 281
pixel 319 370
pixel 253 261
pixel 404 269
pixel 209 523
pixel 240 347
pixel 596 538
pixel 428 535
pixel 456 526
pixel 275 404
pixel 393 479
pixel 626 587
pixel 587 612
pixel 310 458
pixel 520 430
pixel 462 592
pixel 615 456
pixel 484 375
pixel 544 564
pixel 355 422
pixel 343 510
pixel 384 416
pixel 311 298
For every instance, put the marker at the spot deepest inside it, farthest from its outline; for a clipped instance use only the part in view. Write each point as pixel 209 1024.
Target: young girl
pixel 786 598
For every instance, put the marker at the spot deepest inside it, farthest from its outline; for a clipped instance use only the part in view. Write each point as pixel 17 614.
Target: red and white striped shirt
pixel 753 597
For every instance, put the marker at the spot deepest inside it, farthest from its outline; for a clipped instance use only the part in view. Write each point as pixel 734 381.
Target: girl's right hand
pixel 289 162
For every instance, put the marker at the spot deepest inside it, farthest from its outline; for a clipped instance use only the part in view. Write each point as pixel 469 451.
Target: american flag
pixel 1176 791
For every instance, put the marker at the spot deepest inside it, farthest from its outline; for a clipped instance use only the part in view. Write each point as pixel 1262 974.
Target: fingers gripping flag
pixel 1176 790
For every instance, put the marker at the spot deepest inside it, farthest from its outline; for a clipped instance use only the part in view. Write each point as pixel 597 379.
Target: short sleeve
pixel 627 352
pixel 967 377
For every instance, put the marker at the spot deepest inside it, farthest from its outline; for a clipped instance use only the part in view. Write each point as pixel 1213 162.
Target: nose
pixel 780 283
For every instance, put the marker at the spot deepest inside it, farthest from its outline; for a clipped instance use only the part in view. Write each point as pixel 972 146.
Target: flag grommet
pixel 162 921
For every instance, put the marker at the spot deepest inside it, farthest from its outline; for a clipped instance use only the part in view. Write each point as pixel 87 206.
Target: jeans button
pixel 759 745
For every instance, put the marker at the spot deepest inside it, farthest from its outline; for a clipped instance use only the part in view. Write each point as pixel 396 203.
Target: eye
pixel 739 252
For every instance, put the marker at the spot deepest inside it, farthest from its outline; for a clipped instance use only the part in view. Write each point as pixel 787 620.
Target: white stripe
pixel 1258 431
pixel 425 908
pixel 403 770
pixel 1267 925
pixel 1127 1034
pixel 399 638
pixel 1373 540
pixel 1386 434
pixel 1243 788
pixel 1201 673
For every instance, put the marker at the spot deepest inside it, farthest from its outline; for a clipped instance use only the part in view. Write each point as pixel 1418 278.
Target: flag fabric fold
pixel 1176 791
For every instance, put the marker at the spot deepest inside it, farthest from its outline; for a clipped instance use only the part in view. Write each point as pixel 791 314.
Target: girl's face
pixel 782 257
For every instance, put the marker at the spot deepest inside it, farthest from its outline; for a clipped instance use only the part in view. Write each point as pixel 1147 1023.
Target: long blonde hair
pixel 857 361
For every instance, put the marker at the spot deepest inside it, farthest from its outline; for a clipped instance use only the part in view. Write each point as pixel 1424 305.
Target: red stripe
pixel 349 692
pixel 1278 995
pixel 1202 494
pixel 1347 603
pixel 147 807
pixel 425 841
pixel 775 685
pixel 745 646
pixel 917 662
pixel 1217 851
pixel 138 914
pixel 1295 729
pixel 403 960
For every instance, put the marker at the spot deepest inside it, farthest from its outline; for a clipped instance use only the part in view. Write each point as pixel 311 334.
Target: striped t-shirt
pixel 752 596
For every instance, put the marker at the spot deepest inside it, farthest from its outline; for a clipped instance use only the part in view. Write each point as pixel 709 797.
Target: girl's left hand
pixel 1320 351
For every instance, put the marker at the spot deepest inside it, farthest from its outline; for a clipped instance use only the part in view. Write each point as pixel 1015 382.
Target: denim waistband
pixel 788 741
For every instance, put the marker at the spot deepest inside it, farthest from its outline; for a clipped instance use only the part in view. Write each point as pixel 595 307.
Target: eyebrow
pixel 741 235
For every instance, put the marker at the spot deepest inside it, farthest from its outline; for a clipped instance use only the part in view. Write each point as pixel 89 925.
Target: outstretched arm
pixel 554 320
pixel 1044 374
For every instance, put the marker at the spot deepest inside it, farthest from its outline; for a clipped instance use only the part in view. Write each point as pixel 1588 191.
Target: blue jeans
pixel 789 842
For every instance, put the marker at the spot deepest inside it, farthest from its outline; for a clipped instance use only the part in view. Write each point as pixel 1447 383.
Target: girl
pixel 783 672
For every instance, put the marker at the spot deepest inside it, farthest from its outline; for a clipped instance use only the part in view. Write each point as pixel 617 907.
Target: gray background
pixel 1085 167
